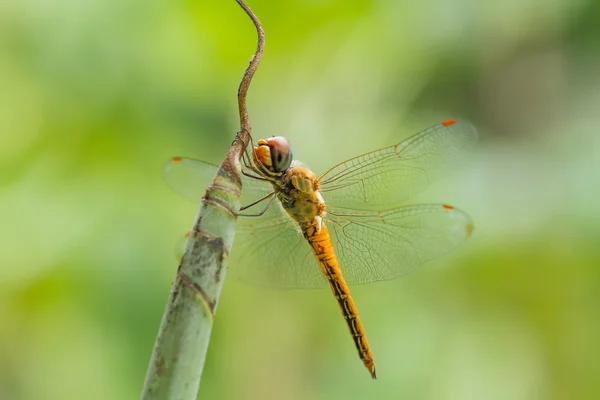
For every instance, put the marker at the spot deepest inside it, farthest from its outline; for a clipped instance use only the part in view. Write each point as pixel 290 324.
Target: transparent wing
pixel 273 253
pixel 373 246
pixel 370 245
pixel 190 178
pixel 385 178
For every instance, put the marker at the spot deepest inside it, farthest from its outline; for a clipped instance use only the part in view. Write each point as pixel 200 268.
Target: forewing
pixel 384 178
pixel 374 246
pixel 191 178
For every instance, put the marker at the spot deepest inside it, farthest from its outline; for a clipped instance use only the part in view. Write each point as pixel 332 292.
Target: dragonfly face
pixel 274 154
pixel 346 226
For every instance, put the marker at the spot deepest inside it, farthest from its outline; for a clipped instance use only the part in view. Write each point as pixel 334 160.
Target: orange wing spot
pixel 447 207
pixel 188 234
pixel 176 159
pixel 449 122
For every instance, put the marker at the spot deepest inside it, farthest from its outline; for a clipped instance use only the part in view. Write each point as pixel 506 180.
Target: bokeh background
pixel 95 96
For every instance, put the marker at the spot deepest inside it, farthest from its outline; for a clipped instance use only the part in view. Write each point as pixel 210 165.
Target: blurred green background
pixel 95 96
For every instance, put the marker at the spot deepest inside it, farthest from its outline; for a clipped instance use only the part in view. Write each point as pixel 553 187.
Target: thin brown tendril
pixel 245 127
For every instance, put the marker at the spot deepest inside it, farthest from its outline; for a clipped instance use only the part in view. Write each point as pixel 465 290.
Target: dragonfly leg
pixel 255 165
pixel 248 161
pixel 237 137
pixel 271 195
pixel 255 177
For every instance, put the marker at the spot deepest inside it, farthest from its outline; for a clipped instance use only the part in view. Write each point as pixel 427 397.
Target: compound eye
pixel 281 153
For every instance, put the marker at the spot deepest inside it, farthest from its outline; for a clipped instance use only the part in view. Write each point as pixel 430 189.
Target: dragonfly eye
pixel 281 153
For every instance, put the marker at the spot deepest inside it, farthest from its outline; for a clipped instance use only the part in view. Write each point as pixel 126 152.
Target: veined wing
pixel 273 253
pixel 373 246
pixel 370 245
pixel 190 178
pixel 384 178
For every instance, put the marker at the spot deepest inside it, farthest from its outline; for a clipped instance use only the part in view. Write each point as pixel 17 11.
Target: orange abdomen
pixel 320 243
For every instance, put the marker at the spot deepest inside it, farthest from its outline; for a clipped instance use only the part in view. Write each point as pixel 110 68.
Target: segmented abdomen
pixel 321 245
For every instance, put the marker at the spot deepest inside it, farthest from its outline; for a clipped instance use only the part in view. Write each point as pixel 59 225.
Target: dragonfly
pixel 346 226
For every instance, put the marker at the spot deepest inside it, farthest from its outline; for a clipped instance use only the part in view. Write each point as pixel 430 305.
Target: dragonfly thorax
pixel 300 195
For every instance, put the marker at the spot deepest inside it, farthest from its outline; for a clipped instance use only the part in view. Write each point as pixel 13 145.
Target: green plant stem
pixel 180 349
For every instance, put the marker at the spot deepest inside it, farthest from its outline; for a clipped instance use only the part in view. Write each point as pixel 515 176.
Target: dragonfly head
pixel 274 153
